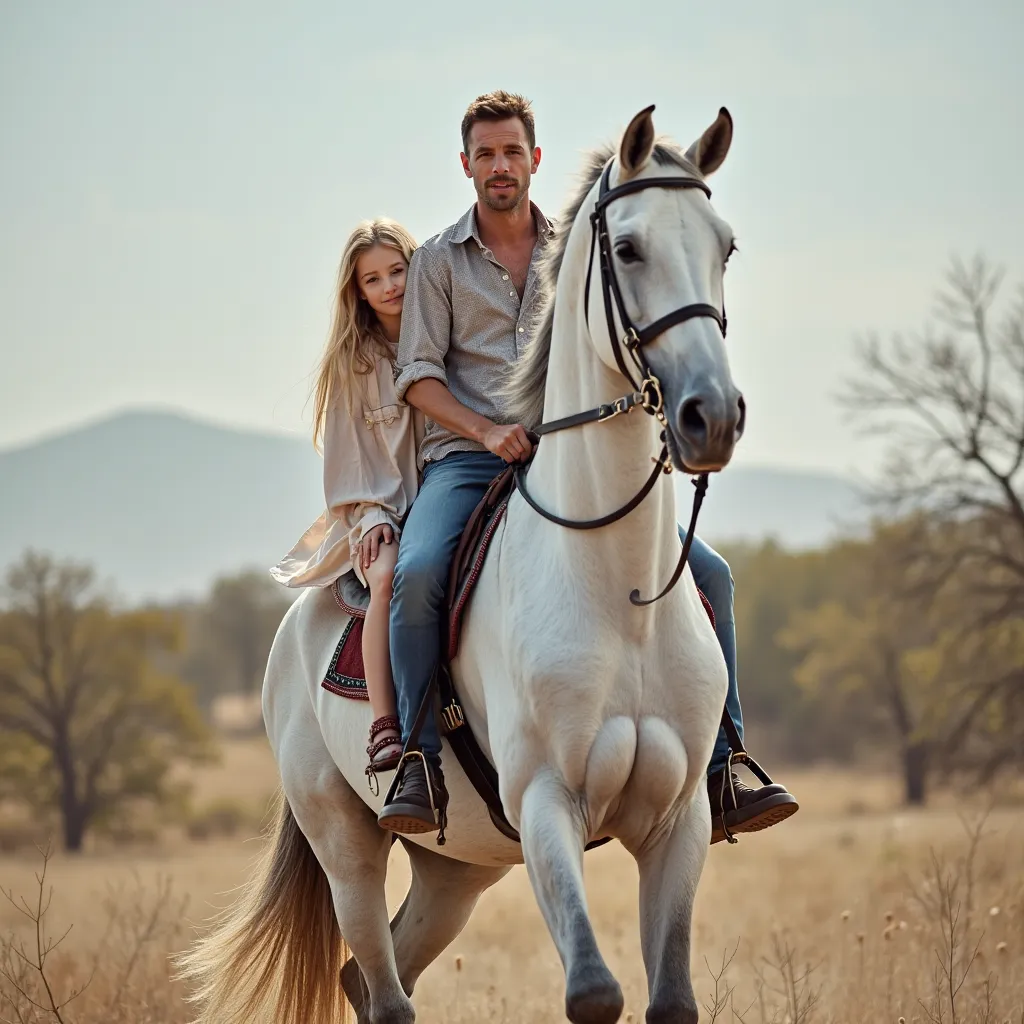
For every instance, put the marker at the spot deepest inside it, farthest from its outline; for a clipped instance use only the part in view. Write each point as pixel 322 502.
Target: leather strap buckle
pixel 453 717
pixel 652 400
pixel 617 408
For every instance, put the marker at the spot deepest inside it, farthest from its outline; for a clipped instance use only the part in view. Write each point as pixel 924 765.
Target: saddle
pixel 353 598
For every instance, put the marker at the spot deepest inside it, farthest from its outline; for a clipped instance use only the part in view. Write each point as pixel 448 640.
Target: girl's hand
pixel 372 540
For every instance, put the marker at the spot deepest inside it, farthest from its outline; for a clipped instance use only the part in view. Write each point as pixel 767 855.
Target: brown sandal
pixel 391 761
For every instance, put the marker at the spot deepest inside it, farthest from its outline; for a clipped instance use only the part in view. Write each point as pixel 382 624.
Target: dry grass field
pixel 855 910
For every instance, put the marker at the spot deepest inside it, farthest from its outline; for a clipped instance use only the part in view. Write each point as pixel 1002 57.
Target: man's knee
pixel 419 583
pixel 713 575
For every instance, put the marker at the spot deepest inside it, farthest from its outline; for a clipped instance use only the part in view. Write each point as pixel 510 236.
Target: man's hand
pixel 372 540
pixel 509 442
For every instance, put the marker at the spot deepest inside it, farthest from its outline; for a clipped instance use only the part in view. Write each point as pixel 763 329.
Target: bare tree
pixel 951 403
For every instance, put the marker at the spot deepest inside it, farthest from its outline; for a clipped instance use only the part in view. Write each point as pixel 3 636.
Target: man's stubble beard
pixel 504 204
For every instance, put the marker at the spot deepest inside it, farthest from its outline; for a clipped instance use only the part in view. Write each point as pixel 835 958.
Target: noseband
pixel 647 392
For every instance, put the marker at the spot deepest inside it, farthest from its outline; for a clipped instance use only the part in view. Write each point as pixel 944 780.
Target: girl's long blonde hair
pixel 357 339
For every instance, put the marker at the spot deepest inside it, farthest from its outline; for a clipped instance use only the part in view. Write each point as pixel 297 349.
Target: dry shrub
pixel 933 939
pixel 941 946
pixel 121 975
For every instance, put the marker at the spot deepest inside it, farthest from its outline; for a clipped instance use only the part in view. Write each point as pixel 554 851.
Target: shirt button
pixel 522 330
pixel 504 277
pixel 512 294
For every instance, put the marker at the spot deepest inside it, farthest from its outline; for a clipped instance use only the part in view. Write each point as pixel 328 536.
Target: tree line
pixel 906 642
pixel 911 640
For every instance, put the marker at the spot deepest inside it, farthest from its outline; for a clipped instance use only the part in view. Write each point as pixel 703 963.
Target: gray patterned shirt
pixel 464 324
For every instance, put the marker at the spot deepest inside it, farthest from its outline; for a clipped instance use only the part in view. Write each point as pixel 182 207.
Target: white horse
pixel 599 715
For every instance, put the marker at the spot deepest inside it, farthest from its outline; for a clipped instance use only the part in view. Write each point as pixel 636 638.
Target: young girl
pixel 370 442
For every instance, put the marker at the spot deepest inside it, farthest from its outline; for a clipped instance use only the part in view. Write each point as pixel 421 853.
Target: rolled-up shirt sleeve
pixel 426 323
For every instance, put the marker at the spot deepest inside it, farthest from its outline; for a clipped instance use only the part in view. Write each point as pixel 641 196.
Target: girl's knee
pixel 381 580
pixel 380 573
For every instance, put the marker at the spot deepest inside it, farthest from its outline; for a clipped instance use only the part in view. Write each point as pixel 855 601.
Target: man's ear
pixel 535 162
pixel 465 165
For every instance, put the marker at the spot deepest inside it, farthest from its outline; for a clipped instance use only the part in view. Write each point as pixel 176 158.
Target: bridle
pixel 647 392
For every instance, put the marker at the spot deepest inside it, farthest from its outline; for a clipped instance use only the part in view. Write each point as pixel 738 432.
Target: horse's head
pixel 667 250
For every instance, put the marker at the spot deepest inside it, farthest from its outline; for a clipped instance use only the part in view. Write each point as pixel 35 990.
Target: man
pixel 470 296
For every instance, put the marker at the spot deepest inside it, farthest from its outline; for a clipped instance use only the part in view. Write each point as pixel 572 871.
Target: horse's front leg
pixel 670 863
pixel 553 830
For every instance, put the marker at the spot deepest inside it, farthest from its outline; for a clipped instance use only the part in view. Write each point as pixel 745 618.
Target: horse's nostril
pixel 742 422
pixel 692 417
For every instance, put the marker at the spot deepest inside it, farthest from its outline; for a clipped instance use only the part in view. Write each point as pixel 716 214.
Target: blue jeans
pixel 713 576
pixel 450 491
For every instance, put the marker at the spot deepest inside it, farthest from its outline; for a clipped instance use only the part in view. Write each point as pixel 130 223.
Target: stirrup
pixel 440 814
pixel 737 757
pixel 727 774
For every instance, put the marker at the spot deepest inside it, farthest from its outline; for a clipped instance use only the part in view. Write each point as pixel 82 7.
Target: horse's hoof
pixel 594 998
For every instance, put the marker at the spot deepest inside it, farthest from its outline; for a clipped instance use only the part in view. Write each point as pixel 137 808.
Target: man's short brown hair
pixel 499 106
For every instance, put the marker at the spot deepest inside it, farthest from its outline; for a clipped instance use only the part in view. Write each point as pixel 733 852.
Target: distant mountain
pixel 798 508
pixel 162 504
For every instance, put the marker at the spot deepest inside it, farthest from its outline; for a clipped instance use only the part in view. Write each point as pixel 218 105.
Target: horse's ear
pixel 637 144
pixel 709 152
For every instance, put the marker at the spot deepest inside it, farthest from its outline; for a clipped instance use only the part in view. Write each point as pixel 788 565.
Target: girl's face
pixel 380 275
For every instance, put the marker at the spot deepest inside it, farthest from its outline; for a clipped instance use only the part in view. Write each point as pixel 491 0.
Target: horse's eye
pixel 626 251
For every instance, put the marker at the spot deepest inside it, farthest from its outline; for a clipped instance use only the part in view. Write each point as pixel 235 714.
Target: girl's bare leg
pixel 380 684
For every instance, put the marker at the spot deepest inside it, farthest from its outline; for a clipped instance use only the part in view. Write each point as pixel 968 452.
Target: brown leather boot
pixel 420 801
pixel 746 809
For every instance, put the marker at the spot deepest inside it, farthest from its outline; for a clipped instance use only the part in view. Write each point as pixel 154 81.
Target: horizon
pixel 270 433
pixel 162 504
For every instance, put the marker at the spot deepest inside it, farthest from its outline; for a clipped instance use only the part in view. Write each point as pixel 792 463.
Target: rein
pixel 647 393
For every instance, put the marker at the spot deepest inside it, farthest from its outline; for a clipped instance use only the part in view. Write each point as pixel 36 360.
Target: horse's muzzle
pixel 706 425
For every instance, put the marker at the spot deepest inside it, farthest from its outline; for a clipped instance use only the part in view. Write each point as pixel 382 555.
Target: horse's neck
pixel 588 471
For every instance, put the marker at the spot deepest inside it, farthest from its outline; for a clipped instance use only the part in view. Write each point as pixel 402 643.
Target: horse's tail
pixel 277 953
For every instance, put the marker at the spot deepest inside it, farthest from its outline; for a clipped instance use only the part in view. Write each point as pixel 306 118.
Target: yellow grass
pixel 820 885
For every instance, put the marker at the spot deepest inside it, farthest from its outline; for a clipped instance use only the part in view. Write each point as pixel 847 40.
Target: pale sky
pixel 177 179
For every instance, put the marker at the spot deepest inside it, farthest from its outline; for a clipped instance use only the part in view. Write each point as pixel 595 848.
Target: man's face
pixel 500 162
